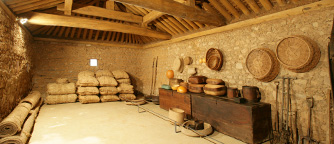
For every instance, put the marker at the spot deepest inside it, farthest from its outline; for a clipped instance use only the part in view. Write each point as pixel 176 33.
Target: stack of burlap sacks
pixel 125 89
pixel 108 85
pixel 61 92
pixel 88 87
pixel 16 127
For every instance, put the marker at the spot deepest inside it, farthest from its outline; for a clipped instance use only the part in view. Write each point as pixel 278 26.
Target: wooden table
pixel 172 99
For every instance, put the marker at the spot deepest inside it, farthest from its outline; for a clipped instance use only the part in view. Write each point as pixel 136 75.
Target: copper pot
pixel 251 93
pixel 232 92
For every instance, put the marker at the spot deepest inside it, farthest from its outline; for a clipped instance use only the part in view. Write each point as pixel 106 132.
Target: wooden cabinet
pixel 170 98
pixel 247 122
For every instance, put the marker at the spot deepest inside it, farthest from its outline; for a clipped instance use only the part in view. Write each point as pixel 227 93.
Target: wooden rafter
pixel 70 21
pixel 242 7
pixel 177 9
pixel 230 8
pixel 221 9
pixel 68 7
pixel 151 17
pixel 266 4
pixel 253 5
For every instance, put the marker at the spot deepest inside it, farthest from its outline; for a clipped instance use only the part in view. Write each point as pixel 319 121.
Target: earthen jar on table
pixel 232 92
pixel 251 93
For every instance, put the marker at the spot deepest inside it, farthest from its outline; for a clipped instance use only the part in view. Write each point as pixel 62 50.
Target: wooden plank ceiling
pixel 136 21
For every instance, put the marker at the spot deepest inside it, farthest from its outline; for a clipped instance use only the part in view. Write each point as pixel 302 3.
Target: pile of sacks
pixel 125 89
pixel 107 84
pixel 88 87
pixel 61 92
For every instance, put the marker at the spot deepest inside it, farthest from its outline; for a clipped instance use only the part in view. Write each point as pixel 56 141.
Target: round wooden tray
pixel 214 59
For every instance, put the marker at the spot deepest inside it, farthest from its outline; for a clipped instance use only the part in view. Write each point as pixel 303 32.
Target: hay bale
pixel 107 81
pixel 124 81
pixel 86 73
pixel 13 122
pixel 32 98
pixel 119 74
pixel 100 73
pixel 109 98
pixel 89 99
pixel 108 90
pixel 127 97
pixel 62 81
pixel 60 89
pixel 59 99
pixel 88 91
pixel 87 81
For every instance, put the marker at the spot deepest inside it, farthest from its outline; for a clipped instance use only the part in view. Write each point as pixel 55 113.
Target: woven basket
pixel 214 59
pixel 298 53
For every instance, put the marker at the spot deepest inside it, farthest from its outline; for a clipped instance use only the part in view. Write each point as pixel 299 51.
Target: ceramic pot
pixel 251 93
pixel 232 92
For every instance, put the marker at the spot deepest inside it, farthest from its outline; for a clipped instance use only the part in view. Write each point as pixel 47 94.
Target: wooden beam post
pixel 110 5
pixel 70 21
pixel 151 17
pixel 68 7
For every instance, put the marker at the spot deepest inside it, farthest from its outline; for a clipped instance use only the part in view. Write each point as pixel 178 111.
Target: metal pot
pixel 251 93
pixel 232 92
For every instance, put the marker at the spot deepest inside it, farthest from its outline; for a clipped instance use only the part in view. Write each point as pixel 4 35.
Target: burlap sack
pixel 89 99
pixel 119 74
pixel 62 81
pixel 124 81
pixel 60 89
pixel 109 98
pixel 88 91
pixel 32 98
pixel 127 97
pixel 87 81
pixel 108 90
pixel 59 99
pixel 107 81
pixel 125 89
pixel 100 73
pixel 86 73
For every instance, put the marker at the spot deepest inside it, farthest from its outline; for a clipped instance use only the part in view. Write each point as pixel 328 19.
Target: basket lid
pixel 259 63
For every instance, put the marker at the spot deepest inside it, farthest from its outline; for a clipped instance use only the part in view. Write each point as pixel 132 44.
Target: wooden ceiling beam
pixel 253 5
pixel 230 8
pixel 177 9
pixel 242 7
pixel 221 9
pixel 281 2
pixel 151 17
pixel 294 1
pixel 34 5
pixel 68 7
pixel 184 23
pixel 110 5
pixel 105 13
pixel 266 4
pixel 70 21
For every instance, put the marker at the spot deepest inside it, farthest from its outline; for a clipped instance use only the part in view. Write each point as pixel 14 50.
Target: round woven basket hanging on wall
pixel 214 59
pixel 262 64
pixel 298 53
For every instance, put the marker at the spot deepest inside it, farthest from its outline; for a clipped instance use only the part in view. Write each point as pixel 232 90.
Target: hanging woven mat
pixel 262 64
pixel 214 59
pixel 298 53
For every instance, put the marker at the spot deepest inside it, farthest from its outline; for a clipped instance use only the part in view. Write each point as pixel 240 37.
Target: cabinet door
pixel 165 98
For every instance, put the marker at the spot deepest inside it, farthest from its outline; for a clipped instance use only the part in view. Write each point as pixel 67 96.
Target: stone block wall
pixel 235 46
pixel 15 63
pixel 65 60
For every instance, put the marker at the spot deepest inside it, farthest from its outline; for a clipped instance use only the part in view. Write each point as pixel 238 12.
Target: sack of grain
pixel 121 91
pixel 100 73
pixel 60 89
pixel 107 81
pixel 127 97
pixel 59 99
pixel 118 74
pixel 108 90
pixel 88 91
pixel 109 98
pixel 62 81
pixel 87 81
pixel 125 81
pixel 86 73
pixel 89 99
pixel 125 86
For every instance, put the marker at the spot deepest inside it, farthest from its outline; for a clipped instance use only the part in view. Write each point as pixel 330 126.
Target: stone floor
pixel 106 123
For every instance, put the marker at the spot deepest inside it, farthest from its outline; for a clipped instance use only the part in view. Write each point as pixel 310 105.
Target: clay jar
pixel 251 93
pixel 232 92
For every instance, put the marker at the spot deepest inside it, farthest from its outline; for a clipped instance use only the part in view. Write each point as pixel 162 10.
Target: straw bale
pixel 100 73
pixel 108 90
pixel 127 97
pixel 32 98
pixel 89 99
pixel 124 81
pixel 109 98
pixel 88 91
pixel 87 81
pixel 60 89
pixel 107 81
pixel 119 74
pixel 86 73
pixel 62 81
pixel 13 122
pixel 59 99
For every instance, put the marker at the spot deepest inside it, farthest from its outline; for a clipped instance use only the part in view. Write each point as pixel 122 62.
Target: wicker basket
pixel 298 53
pixel 262 64
pixel 214 59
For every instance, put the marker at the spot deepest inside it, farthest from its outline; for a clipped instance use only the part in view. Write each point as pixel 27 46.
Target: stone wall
pixel 15 63
pixel 236 44
pixel 65 60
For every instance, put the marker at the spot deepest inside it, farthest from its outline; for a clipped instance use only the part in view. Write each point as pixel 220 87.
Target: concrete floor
pixel 106 123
